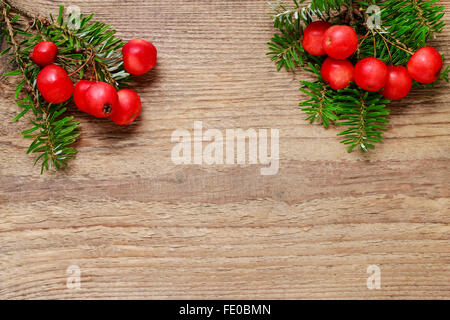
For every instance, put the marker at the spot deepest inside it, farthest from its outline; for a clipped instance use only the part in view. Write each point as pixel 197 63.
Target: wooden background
pixel 139 226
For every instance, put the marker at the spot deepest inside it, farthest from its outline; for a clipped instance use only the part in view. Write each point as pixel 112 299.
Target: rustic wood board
pixel 139 226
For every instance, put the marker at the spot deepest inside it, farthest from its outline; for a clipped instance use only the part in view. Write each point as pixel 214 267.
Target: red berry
pixel 44 53
pixel 102 100
pixel 79 94
pixel 139 57
pixel 337 73
pixel 54 84
pixel 425 65
pixel 340 42
pixel 399 83
pixel 313 37
pixel 371 74
pixel 129 107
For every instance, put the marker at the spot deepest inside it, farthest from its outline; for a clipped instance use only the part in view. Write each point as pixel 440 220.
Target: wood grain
pixel 141 227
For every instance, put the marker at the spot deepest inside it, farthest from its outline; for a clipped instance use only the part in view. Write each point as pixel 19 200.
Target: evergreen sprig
pixel 285 48
pixel 87 50
pixel 412 19
pixel 365 116
pixel 407 25
pixel 329 5
pixel 321 107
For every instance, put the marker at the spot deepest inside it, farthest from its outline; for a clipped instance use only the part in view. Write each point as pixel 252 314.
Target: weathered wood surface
pixel 139 226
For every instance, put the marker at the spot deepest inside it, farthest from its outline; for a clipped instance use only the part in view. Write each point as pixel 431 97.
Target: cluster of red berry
pixel 99 99
pixel 340 42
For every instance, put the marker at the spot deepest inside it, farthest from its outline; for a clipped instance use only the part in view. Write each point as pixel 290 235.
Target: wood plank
pixel 139 226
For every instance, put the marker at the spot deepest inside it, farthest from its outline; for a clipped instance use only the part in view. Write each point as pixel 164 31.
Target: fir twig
pixel 406 27
pixel 91 51
pixel 321 107
pixel 365 115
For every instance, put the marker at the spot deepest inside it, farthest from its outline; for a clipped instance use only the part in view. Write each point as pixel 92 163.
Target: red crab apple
pixel 129 107
pixel 313 37
pixel 337 73
pixel 340 42
pixel 425 65
pixel 79 95
pixel 139 57
pixel 44 53
pixel 101 100
pixel 54 84
pixel 371 74
pixel 399 83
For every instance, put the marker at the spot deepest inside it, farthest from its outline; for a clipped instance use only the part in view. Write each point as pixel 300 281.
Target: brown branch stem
pixel 399 44
pixel 91 56
pixel 17 55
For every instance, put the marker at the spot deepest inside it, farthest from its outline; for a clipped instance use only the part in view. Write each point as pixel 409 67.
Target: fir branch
pixel 91 51
pixel 318 9
pixel 286 48
pixel 407 25
pixel 412 22
pixel 365 115
pixel 17 53
pixel 99 39
pixel 428 23
pixel 321 107
pixel 284 14
pixel 96 37
pixel 51 135
pixel 23 12
pixel 330 5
